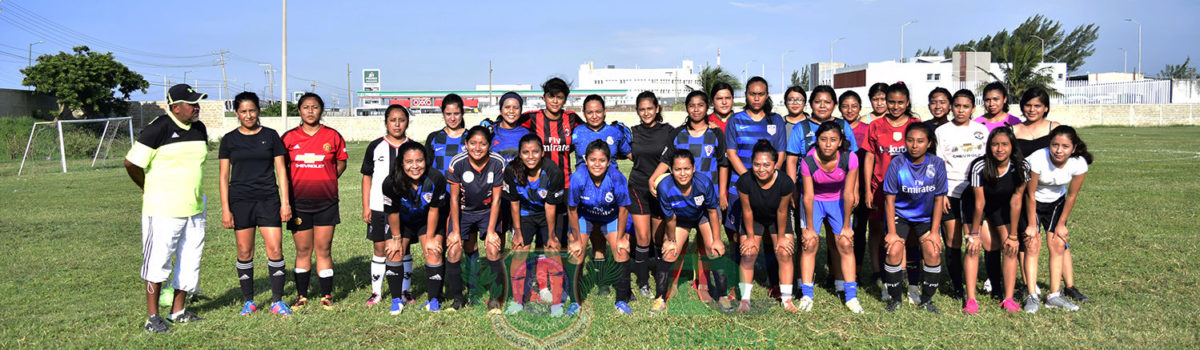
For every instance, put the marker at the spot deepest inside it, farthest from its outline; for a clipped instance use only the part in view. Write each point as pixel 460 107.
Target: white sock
pixel 1053 295
pixel 746 287
pixel 786 291
pixel 177 314
pixel 408 266
pixel 839 285
pixel 378 267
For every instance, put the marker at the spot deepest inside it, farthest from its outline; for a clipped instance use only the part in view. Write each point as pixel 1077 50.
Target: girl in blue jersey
pixel 707 143
pixel 476 180
pixel 997 184
pixel 536 193
pixel 765 194
pixel 418 198
pixel 614 135
pixel 596 201
pixel 829 174
pixel 444 143
pixel 914 188
pixel 688 202
pixel 507 133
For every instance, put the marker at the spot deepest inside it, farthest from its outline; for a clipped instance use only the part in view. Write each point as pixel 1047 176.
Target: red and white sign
pixel 421 102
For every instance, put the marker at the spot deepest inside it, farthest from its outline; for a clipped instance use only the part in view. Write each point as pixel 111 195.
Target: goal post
pixel 107 136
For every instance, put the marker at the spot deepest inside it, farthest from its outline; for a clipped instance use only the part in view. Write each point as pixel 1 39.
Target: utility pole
pixel 270 73
pixel 490 101
pixel 783 83
pixel 902 38
pixel 166 85
pixel 283 111
pixel 349 97
pixel 1139 24
pixel 313 83
pixel 224 83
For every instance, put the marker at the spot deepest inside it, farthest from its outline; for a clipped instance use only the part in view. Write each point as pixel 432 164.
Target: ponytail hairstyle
pixel 518 166
pixel 1080 147
pixel 649 95
pixel 401 183
pixel 899 87
pixel 998 86
pixel 766 88
pixel 928 134
pixel 1016 159
pixel 963 93
pixel 835 125
pixel 764 146
pixel 1038 93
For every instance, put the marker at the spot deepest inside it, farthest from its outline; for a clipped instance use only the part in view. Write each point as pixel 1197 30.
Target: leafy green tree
pixel 272 110
pixel 928 52
pixel 709 76
pixel 1179 71
pixel 1021 71
pixel 800 77
pixel 85 81
pixel 1071 48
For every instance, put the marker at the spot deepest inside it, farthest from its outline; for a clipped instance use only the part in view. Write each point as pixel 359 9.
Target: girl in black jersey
pixel 476 179
pixel 997 184
pixel 650 140
pixel 418 199
pixel 765 197
pixel 377 160
pixel 252 165
pixel 535 193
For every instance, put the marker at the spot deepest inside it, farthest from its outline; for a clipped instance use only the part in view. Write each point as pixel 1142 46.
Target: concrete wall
pixel 20 103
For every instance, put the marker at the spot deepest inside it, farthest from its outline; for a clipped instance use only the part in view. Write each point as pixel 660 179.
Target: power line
pixel 18 11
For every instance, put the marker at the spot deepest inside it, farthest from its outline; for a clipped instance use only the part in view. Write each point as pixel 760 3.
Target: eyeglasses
pixel 795 101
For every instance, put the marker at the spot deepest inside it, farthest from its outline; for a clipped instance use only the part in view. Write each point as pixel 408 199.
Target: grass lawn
pixel 70 277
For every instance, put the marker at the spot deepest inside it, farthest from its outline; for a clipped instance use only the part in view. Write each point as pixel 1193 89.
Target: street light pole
pixel 746 71
pixel 902 38
pixel 31 51
pixel 1043 57
pixel 1139 24
pixel 1125 65
pixel 830 59
pixel 782 82
pixel 185 76
pixel 283 111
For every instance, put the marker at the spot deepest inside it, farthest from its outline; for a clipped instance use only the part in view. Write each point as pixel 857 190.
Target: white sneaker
pixel 1057 301
pixel 545 295
pixel 805 304
pixel 854 306
pixel 987 285
pixel 914 294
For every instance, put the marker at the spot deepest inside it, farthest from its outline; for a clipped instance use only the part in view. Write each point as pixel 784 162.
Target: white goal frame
pixel 62 149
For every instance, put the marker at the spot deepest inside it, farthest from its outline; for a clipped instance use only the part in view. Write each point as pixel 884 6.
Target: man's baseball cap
pixel 183 93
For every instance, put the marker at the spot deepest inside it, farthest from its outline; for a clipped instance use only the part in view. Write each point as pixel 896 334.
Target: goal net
pixel 55 146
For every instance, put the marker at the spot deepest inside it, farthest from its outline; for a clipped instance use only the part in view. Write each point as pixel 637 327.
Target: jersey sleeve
pixel 1081 166
pixel 848 133
pixel 665 158
pixel 975 173
pixel 795 139
pixel 510 186
pixel 277 147
pixel 787 185
pixel 440 197
pixel 853 162
pixel 143 151
pixel 556 192
pixel 731 132
pixel 340 146
pixel 623 144
pixel 389 192
pixel 429 147
pixel 574 190
pixel 743 186
pixel 870 142
pixel 224 150
pixel 710 200
pixel 804 170
pixel 779 140
pixel 891 180
pixel 941 186
pixel 621 193
pixel 722 159
pixel 664 189
pixel 368 164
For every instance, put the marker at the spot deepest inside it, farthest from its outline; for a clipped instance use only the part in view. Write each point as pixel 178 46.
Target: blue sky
pixel 433 45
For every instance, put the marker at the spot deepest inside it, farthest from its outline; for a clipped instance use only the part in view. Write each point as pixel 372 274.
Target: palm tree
pixel 709 76
pixel 1021 71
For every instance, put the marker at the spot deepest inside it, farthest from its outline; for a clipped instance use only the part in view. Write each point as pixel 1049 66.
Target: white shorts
pixel 164 238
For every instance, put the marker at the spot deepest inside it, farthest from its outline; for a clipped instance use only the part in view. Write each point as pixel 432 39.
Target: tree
pixel 710 76
pixel 273 109
pixel 1071 48
pixel 1179 71
pixel 1022 72
pixel 85 81
pixel 800 78
pixel 928 52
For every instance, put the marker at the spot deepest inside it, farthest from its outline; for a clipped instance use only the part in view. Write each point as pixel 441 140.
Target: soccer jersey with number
pixel 313 167
pixel 885 141
pixel 172 154
pixel 708 150
pixel 598 203
pixel 377 163
pixel 534 195
pixel 440 147
pixel 916 186
pixel 413 205
pixel 476 184
pixel 689 207
pixel 583 135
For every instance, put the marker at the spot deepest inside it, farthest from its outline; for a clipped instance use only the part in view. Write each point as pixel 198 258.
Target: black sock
pixel 994 270
pixel 662 276
pixel 772 265
pixel 434 277
pixel 326 283
pixel 597 266
pixel 275 268
pixel 394 274
pixel 913 265
pixel 892 278
pixel 641 266
pixel 930 276
pixel 717 281
pixel 245 272
pixel 569 273
pixel 302 278
pixel 454 281
pixel 954 263
pixel 498 286
pixel 623 291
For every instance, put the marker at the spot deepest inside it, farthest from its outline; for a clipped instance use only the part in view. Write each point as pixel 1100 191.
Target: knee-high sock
pixel 892 278
pixel 408 267
pixel 454 280
pixel 913 266
pixel 954 263
pixel 302 277
pixel 930 277
pixel 597 266
pixel 245 271
pixel 275 268
pixel 662 277
pixel 567 278
pixel 623 290
pixel 641 255
pixel 497 267
pixel 325 277
pixel 718 283
pixel 435 276
pixel 517 280
pixel 394 272
pixel 994 270
pixel 378 266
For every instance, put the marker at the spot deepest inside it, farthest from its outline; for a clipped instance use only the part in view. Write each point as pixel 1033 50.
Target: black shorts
pixel 761 229
pixel 378 230
pixel 255 213
pixel 906 229
pixel 999 215
pixel 956 209
pixel 641 202
pixel 469 224
pixel 305 221
pixel 684 223
pixel 534 229
pixel 1047 216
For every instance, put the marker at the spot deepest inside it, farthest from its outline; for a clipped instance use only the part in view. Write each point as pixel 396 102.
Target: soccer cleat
pixel 185 317
pixel 914 294
pixel 854 306
pixel 725 303
pixel 493 306
pixel 457 304
pixel 806 303
pixel 929 306
pixel 248 308
pixel 660 305
pixel 623 308
pixel 546 295
pixel 573 309
pixel 155 324
pixel 513 308
pixel 408 298
pixel 958 293
pixel 1032 303
pixel 327 302
pixel 892 305
pixel 432 305
pixel 743 306
pixel 374 299
pixel 789 306
pixel 971 308
pixel 300 303
pixel 397 306
pixel 1073 293
pixel 1058 301
pixel 645 290
pixel 775 293
pixel 279 308
pixel 1010 305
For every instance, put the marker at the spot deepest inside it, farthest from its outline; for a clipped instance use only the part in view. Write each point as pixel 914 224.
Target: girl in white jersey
pixel 1058 171
pixel 961 142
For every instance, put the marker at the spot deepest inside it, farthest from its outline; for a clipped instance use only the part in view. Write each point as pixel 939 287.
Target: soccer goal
pixel 85 142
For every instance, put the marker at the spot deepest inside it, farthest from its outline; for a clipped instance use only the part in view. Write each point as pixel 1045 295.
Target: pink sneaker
pixel 1010 305
pixel 972 307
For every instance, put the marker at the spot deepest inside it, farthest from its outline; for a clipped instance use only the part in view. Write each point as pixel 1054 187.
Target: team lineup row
pixel 936 182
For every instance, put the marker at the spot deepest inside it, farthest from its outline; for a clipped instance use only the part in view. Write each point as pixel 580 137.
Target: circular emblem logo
pixel 608 197
pixel 468 177
pixel 897 136
pixel 542 193
pixel 428 197
pixel 609 140
pixel 327 147
pixel 979 135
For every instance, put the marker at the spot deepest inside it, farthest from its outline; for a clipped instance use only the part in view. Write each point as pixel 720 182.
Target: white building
pixel 669 84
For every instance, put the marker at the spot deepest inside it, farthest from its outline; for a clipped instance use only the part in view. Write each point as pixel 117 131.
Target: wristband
pixel 1012 237
pixel 974 233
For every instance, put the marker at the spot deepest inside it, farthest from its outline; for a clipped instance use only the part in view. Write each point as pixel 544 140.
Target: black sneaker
pixel 893 305
pixel 1073 293
pixel 155 324
pixel 645 290
pixel 929 306
pixel 185 317
pixel 458 304
pixel 958 293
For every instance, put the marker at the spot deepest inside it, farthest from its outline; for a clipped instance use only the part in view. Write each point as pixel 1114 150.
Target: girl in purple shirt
pixel 829 174
pixel 995 103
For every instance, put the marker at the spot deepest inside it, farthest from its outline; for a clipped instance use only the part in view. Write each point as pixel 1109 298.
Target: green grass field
pixel 70 277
